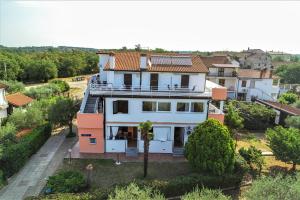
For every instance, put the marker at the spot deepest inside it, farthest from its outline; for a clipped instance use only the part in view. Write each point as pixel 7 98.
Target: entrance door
pixel 128 80
pixel 185 79
pixel 154 81
pixel 179 137
pixel 132 137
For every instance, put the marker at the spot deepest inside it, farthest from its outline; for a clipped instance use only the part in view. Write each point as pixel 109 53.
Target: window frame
pixel 161 102
pixel 198 102
pixel 116 105
pixel 244 81
pixel 153 103
pixel 188 103
pixel 95 139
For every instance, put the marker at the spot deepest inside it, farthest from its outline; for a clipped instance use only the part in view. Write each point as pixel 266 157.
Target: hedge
pixel 15 155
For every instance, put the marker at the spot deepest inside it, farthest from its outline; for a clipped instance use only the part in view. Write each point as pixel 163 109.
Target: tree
pixel 132 191
pixel 285 144
pixel 252 156
pixel 14 86
pixel 233 119
pixel 274 188
pixel 63 111
pixel 211 148
pixel 145 127
pixel 137 47
pixel 288 98
pixel 289 73
pixel 205 194
pixel 26 118
pixel 293 121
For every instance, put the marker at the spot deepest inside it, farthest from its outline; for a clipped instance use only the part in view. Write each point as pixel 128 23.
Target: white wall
pixel 137 115
pixel 115 146
pixel 3 104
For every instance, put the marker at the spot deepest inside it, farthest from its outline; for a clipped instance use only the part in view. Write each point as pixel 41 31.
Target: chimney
pixel 112 60
pixel 143 61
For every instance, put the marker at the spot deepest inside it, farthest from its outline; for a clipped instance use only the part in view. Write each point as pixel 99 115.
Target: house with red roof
pixel 17 100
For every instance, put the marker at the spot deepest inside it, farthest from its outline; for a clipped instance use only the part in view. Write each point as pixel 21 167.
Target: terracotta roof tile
pixel 130 61
pixel 210 60
pixel 253 73
pixel 287 108
pixel 18 99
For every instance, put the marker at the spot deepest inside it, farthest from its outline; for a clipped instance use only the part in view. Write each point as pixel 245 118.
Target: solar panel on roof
pixel 171 60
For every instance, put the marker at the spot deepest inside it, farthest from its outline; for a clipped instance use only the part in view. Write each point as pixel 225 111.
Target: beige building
pixel 255 59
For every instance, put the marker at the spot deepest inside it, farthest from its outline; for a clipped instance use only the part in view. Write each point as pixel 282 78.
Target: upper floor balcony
pixel 223 74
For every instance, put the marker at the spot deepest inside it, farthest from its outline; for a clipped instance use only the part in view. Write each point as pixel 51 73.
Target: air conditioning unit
pixel 245 90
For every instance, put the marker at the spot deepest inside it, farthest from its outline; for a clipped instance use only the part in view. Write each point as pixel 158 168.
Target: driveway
pixel 32 177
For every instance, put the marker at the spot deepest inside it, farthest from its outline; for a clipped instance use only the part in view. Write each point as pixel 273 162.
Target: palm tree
pixel 145 127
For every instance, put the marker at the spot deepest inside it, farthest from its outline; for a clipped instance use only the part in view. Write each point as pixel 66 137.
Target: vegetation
pixel 133 191
pixel 285 144
pixel 15 152
pixel 14 86
pixel 147 136
pixel 66 181
pixel 297 104
pixel 289 73
pixel 210 148
pixel 277 188
pixel 62 112
pixel 256 116
pixel 41 64
pixel 293 121
pixel 205 194
pixel 288 98
pixel 252 156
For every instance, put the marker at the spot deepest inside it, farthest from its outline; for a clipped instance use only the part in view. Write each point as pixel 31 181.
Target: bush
pixel 256 116
pixel 277 188
pixel 15 155
pixel 252 156
pixel 205 194
pixel 288 98
pixel 210 148
pixel 66 182
pixel 62 85
pixel 133 191
pixel 14 86
pixel 293 121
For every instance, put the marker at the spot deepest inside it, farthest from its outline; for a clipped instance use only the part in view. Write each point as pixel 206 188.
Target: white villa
pixel 170 90
pixel 3 103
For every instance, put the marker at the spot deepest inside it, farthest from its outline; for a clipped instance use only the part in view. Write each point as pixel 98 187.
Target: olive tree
pixel 285 144
pixel 211 148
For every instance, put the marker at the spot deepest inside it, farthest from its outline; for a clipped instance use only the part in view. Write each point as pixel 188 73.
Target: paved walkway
pixel 32 177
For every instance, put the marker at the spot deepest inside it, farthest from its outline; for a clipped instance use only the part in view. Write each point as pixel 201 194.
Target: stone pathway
pixel 31 179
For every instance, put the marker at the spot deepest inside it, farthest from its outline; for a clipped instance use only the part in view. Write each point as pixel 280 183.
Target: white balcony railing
pixel 214 110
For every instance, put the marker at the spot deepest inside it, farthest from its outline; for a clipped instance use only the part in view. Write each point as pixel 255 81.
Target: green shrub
pixel 62 85
pixel 288 98
pixel 210 148
pixel 256 116
pixel 253 157
pixel 66 182
pixel 293 121
pixel 205 194
pixel 15 155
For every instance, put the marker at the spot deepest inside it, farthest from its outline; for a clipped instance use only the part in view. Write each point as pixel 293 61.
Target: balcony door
pixel 185 79
pixel 154 81
pixel 128 81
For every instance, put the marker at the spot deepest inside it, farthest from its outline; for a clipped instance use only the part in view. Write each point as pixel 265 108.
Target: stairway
pixel 132 152
pixel 90 104
pixel 178 151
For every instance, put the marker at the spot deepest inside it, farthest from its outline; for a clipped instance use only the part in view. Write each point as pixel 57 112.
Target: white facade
pixel 3 105
pixel 259 88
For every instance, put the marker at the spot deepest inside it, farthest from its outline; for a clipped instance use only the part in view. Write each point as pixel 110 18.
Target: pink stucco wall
pixel 90 123
pixel 219 93
pixel 219 117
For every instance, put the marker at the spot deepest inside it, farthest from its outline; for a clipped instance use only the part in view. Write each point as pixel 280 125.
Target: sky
pixel 171 25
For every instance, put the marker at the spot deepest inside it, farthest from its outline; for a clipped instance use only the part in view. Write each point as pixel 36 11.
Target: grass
pixel 105 173
pixel 256 139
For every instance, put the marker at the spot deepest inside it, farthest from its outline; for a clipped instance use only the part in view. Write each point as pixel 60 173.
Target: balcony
pixel 215 113
pixel 223 74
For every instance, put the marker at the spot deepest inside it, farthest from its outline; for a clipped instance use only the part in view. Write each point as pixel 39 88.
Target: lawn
pixel 256 139
pixel 106 173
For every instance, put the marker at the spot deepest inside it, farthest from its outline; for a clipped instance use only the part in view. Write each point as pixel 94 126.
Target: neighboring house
pixel 223 71
pixel 282 110
pixel 255 59
pixel 257 83
pixel 17 100
pixel 3 102
pixel 169 90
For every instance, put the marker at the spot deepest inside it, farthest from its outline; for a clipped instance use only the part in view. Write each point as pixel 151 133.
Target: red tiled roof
pixel 287 108
pixel 130 61
pixel 3 86
pixel 18 99
pixel 253 73
pixel 210 60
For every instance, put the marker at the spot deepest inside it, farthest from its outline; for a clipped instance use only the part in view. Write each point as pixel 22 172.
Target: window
pixel 149 106
pixel 197 107
pixel 120 106
pixel 185 79
pixel 92 140
pixel 86 135
pixel 221 72
pixel 164 106
pixel 183 107
pixel 244 83
pixel 222 82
